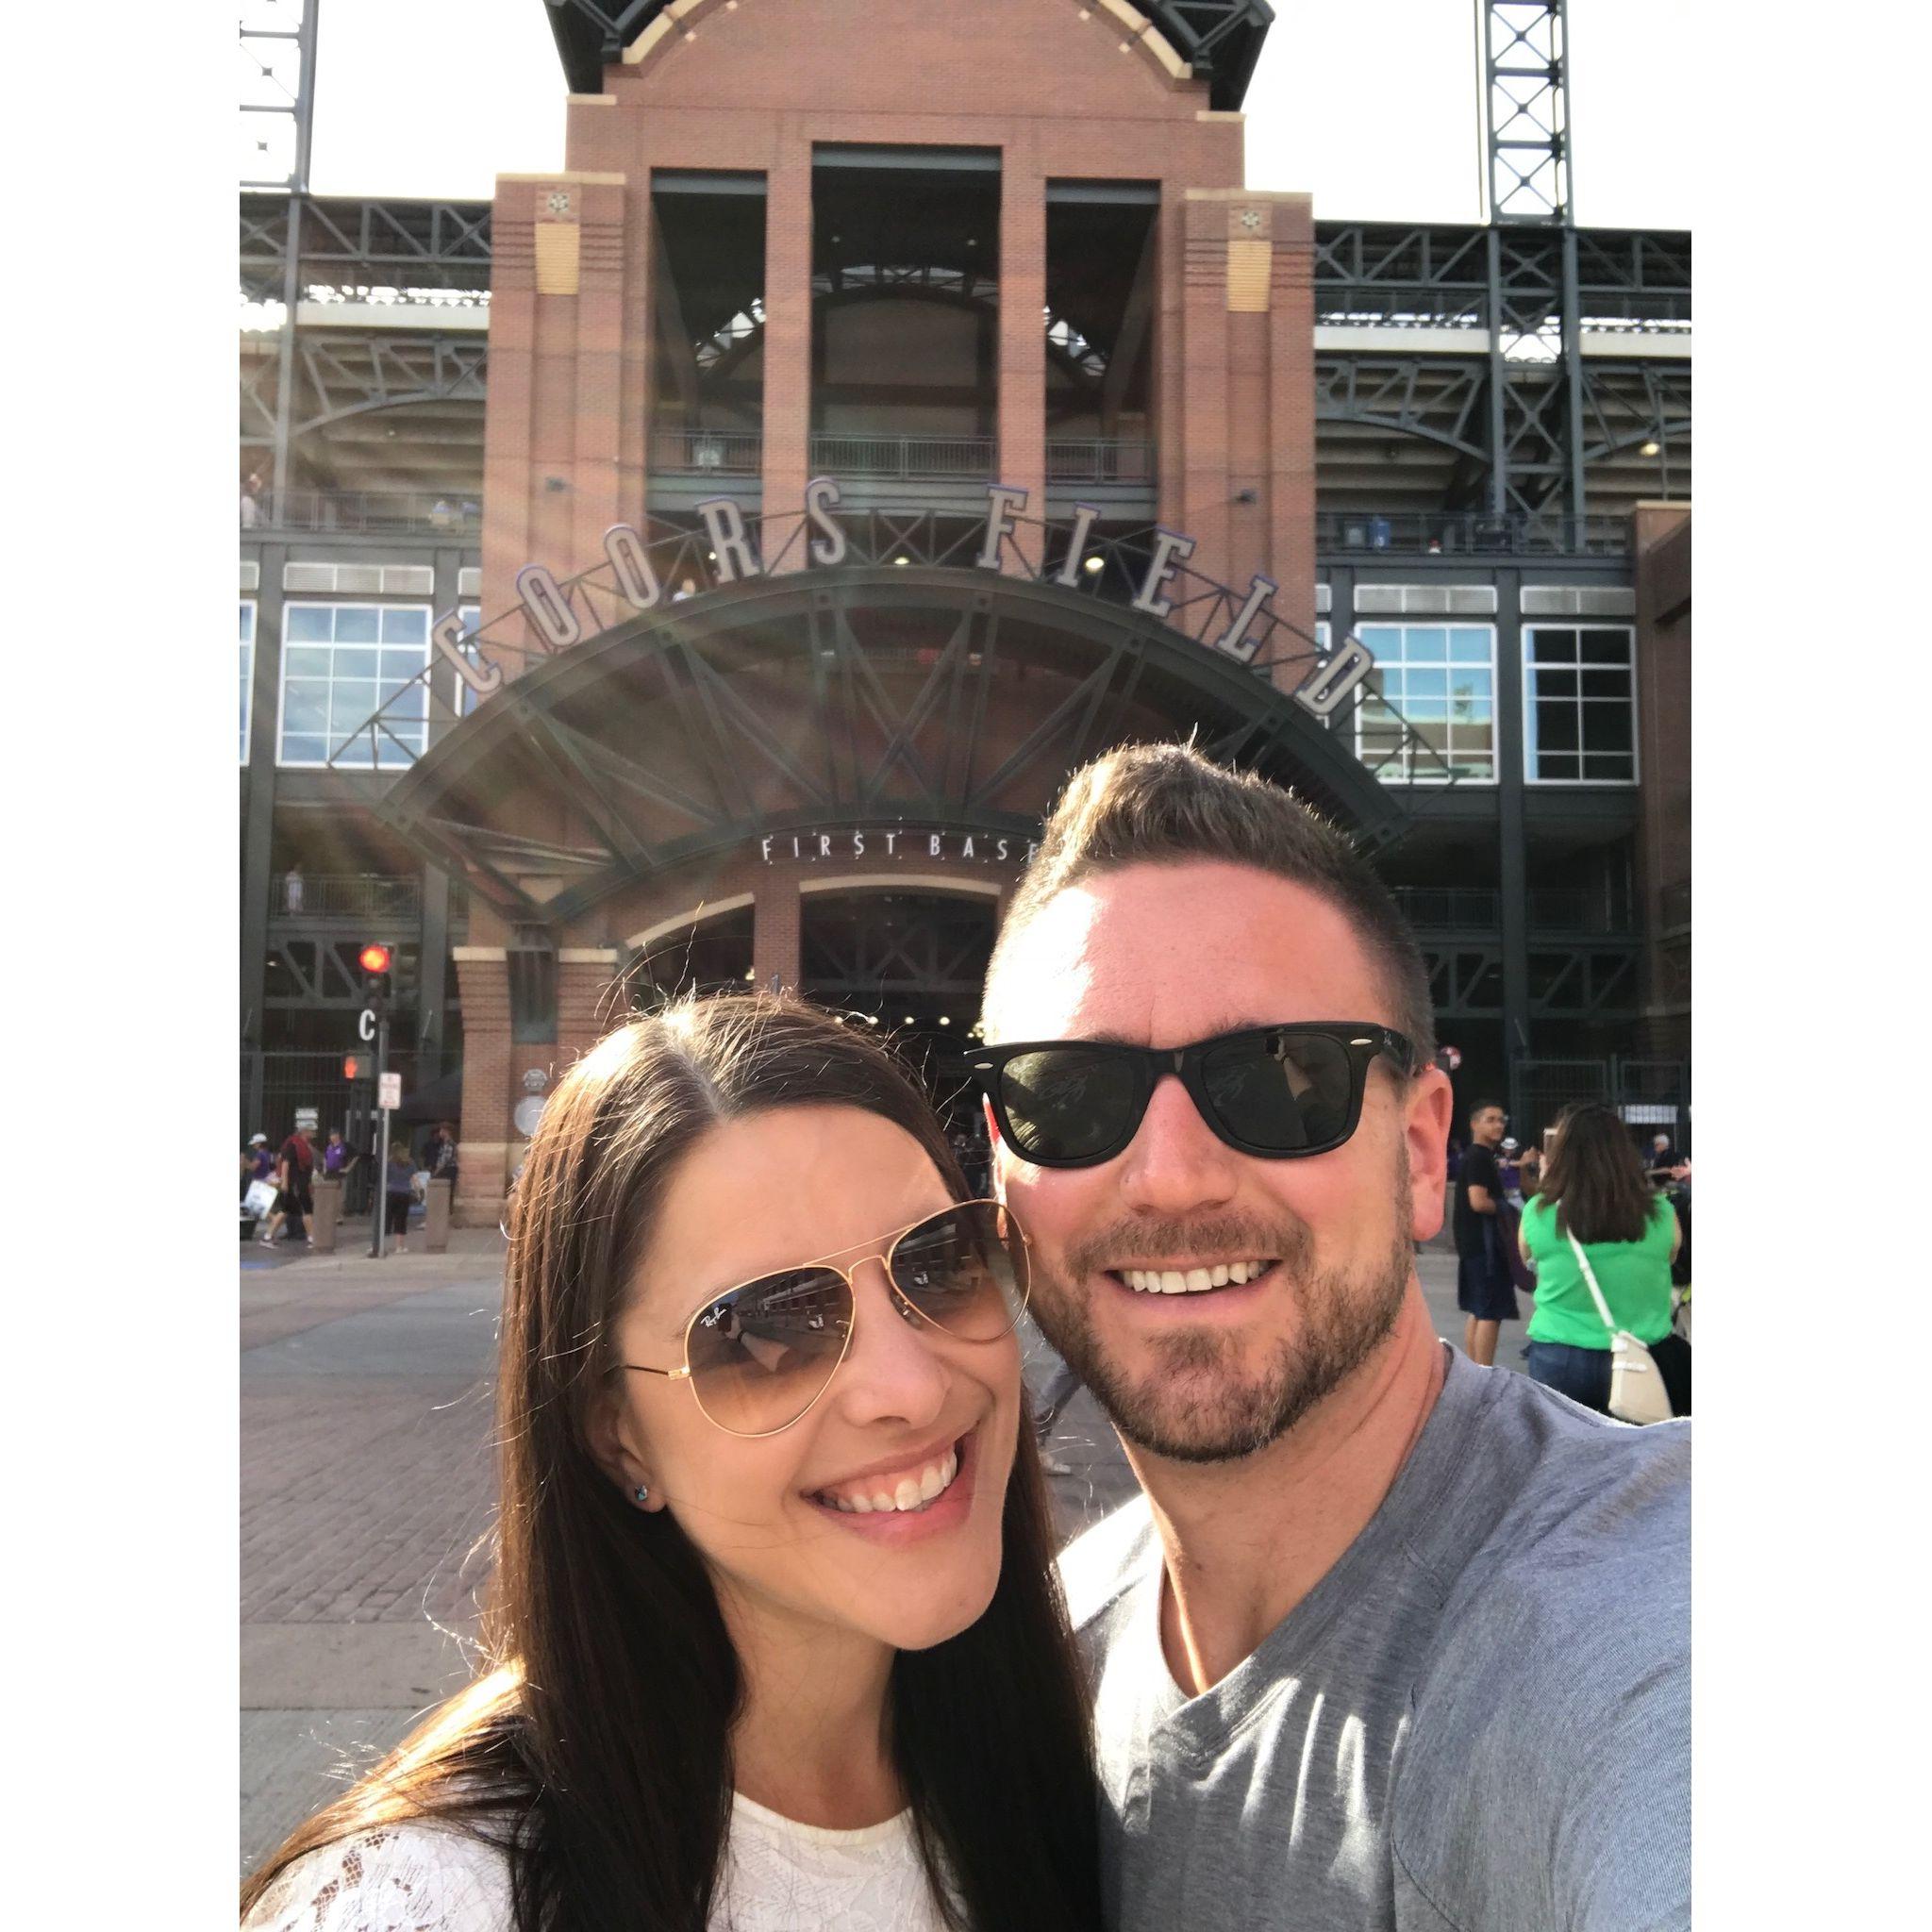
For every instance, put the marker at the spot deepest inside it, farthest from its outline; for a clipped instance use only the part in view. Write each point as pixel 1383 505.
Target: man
pixel 1393 1639
pixel 295 1170
pixel 1484 1290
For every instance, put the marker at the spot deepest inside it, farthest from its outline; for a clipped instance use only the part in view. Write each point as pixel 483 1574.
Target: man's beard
pixel 1196 1405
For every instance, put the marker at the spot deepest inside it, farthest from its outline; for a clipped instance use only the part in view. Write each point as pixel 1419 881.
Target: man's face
pixel 1486 1128
pixel 1163 956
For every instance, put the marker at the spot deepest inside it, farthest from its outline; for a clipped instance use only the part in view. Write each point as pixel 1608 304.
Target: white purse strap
pixel 1596 1294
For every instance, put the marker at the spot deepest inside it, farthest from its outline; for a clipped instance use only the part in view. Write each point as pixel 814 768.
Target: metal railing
pixel 1572 908
pixel 1099 460
pixel 1434 906
pixel 1550 910
pixel 903 456
pixel 707 452
pixel 1471 533
pixel 362 895
pixel 360 510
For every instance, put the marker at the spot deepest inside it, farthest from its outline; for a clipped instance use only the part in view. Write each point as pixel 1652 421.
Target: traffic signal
pixel 374 961
pixel 351 1066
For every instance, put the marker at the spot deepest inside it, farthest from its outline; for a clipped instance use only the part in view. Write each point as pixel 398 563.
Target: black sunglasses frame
pixel 1363 1041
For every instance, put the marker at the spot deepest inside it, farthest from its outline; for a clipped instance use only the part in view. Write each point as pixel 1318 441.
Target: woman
pixel 399 1193
pixel 1593 1185
pixel 776 1635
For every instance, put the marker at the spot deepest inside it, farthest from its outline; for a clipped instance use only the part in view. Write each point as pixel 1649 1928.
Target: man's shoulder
pixel 1103 1564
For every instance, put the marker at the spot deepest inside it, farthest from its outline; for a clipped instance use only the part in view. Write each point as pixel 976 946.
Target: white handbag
pixel 1637 1386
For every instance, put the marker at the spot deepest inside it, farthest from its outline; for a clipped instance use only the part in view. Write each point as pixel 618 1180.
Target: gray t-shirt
pixel 1478 1719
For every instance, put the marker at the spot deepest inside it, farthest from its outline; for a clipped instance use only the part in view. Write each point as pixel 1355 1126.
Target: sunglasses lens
pixel 964 1271
pixel 1287 1093
pixel 1069 1103
pixel 760 1354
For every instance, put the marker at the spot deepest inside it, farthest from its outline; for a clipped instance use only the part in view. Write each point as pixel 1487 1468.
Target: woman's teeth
pixel 909 1492
pixel 1193 1280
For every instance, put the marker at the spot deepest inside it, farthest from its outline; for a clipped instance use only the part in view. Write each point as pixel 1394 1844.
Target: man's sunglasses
pixel 760 1354
pixel 1283 1092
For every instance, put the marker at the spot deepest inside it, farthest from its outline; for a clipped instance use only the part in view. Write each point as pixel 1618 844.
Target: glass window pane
pixel 306 660
pixel 1467 646
pixel 410 708
pixel 1555 727
pixel 1433 711
pixel 358 623
pixel 355 754
pixel 307 623
pixel 1553 646
pixel 305 708
pixel 356 663
pixel 405 626
pixel 1427 643
pixel 351 705
pixel 1559 766
pixel 1382 640
pixel 1606 728
pixel 1554 684
pixel 1607 684
pixel 1606 647
pixel 248 624
pixel 300 750
pixel 1426 684
pixel 1467 684
pixel 401 664
pixel 1608 769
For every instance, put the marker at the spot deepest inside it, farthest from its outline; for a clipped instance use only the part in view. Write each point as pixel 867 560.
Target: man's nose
pixel 893 1372
pixel 1176 1162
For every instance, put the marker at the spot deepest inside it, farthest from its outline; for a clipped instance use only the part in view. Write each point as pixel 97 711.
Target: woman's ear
pixel 617 1446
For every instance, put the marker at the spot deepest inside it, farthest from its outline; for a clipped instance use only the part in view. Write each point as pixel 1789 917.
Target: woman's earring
pixel 643 1492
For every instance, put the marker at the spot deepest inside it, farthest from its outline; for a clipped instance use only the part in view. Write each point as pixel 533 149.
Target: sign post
pixel 375 959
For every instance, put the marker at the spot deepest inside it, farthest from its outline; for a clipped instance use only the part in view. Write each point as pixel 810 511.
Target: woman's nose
pixel 894 1371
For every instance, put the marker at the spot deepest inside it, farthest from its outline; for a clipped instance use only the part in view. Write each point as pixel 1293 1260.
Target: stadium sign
pixel 736 560
pixel 851 842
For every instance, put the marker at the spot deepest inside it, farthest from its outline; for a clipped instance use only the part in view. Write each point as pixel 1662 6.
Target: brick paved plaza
pixel 366 1484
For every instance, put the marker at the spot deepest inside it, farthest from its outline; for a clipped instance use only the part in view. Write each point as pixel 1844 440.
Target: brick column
pixel 1201 510
pixel 776 909
pixel 483 1138
pixel 787 336
pixel 599 390
pixel 1289 491
pixel 588 1007
pixel 1022 329
pixel 512 374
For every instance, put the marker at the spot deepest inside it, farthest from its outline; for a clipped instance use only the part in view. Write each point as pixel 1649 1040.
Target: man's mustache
pixel 1231 1237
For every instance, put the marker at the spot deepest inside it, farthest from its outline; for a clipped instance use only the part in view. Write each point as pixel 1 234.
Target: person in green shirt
pixel 1593 1185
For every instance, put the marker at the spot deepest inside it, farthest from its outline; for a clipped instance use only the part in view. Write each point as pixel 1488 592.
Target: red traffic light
pixel 374 958
pixel 351 1065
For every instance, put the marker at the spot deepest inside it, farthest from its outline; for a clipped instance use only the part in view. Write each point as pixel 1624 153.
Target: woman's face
pixel 756 1196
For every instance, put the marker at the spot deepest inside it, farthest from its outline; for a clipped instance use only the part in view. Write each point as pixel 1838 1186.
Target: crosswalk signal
pixel 351 1066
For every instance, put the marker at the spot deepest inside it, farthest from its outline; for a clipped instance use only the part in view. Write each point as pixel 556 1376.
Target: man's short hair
pixel 1487 1107
pixel 1168 804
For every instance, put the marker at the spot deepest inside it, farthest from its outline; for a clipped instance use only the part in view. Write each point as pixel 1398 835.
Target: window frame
pixel 252 606
pixel 375 767
pixel 1444 621
pixel 1531 626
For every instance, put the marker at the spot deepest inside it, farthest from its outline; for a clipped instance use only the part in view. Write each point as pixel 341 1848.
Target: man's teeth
pixel 909 1492
pixel 1193 1280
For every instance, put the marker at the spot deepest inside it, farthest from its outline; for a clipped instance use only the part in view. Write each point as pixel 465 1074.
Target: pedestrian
pixel 258 1163
pixel 293 890
pixel 295 1170
pixel 399 1191
pixel 1663 1157
pixel 1484 1290
pixel 774 1639
pixel 1393 1639
pixel 335 1156
pixel 251 501
pixel 440 1154
pixel 1595 1191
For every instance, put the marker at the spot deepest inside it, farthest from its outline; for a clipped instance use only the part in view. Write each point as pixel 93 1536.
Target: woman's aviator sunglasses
pixel 1282 1092
pixel 760 1354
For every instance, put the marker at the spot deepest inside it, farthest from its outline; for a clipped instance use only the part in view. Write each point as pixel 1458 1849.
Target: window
pixel 341 662
pixel 1579 703
pixel 247 671
pixel 471 617
pixel 1440 681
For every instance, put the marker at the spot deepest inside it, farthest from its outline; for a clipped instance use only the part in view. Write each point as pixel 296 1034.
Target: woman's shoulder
pixel 430 1877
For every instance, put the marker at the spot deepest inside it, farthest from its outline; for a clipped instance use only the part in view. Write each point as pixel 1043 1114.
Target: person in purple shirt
pixel 335 1156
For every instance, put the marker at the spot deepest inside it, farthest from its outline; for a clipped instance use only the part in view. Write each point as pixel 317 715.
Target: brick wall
pixel 484 1135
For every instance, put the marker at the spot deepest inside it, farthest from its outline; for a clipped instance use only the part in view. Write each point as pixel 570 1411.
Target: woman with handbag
pixel 1602 1240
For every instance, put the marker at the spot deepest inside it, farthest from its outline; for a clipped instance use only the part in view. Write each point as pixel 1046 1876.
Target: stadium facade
pixel 702 564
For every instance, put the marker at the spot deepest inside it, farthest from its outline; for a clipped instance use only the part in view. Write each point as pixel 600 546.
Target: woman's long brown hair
pixel 596 1748
pixel 1593 1176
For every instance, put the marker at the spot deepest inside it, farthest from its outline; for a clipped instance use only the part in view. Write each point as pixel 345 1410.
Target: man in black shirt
pixel 1483 1289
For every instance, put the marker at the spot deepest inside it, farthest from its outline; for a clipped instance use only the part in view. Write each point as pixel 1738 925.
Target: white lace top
pixel 780 1876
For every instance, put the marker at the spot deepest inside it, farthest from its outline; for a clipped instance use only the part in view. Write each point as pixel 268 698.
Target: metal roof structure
pixel 1221 39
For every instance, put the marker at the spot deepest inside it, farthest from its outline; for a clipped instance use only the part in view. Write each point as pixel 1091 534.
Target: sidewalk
pixel 368 1487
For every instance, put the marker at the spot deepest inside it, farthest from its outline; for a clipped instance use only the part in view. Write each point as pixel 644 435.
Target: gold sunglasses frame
pixel 874 1252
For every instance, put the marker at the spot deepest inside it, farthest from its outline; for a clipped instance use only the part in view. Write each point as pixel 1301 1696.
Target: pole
pixel 378 1200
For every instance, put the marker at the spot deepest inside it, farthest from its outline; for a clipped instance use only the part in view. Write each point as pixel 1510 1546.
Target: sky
pixel 1367 105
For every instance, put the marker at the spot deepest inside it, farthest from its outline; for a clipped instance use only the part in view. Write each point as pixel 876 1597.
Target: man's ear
pixel 1431 1108
pixel 993 1125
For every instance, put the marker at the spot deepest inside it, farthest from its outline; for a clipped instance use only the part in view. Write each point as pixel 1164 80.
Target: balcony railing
pixel 1476 908
pixel 360 510
pixel 707 452
pixel 1099 460
pixel 1471 533
pixel 911 457
pixel 361 895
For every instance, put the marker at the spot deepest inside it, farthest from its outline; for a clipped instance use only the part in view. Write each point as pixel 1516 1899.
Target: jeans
pixel 1584 1374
